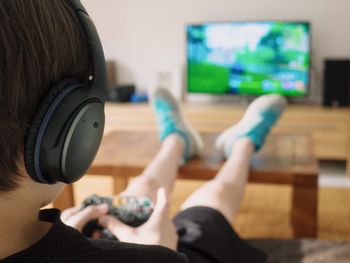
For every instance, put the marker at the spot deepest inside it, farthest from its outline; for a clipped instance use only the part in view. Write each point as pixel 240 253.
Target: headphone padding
pixel 32 133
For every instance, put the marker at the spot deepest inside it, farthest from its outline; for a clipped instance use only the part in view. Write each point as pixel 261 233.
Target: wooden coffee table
pixel 285 159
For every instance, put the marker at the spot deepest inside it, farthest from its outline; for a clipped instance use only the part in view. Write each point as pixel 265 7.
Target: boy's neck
pixel 20 227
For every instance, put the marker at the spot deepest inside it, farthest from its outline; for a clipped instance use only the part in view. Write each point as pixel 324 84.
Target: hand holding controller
pixel 133 211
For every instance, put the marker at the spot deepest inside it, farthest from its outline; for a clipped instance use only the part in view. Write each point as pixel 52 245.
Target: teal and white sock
pixel 170 120
pixel 259 118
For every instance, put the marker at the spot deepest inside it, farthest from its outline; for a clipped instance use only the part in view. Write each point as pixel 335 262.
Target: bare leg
pixel 225 192
pixel 161 172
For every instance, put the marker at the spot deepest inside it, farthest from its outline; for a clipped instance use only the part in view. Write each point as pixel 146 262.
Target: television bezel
pixel 308 87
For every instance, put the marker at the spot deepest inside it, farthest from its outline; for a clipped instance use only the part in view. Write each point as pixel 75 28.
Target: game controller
pixel 131 210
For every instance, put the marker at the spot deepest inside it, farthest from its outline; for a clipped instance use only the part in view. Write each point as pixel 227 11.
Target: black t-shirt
pixel 65 244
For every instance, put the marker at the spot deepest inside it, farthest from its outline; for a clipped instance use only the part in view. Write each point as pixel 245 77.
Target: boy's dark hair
pixel 41 42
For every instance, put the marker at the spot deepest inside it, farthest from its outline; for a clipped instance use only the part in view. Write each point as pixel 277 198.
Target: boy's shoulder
pixel 89 250
pixel 66 245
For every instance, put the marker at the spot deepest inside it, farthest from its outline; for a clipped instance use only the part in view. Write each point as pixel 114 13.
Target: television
pixel 251 58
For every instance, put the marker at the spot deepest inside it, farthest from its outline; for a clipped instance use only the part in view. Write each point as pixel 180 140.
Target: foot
pixel 170 120
pixel 256 123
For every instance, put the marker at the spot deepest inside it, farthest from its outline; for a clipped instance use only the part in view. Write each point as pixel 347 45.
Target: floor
pixel 266 208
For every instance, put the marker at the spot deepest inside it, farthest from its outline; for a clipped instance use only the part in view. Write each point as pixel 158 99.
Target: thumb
pixel 80 219
pixel 92 212
pixel 66 214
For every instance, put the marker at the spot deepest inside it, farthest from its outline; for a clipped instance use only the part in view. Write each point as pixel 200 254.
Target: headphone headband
pixel 95 48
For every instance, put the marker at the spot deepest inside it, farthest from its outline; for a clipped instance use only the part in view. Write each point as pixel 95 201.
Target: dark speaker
pixel 121 93
pixel 336 83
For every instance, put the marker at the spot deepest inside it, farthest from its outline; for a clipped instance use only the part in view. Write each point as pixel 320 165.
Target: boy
pixel 41 42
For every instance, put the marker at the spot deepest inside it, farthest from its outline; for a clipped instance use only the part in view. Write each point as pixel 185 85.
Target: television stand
pixel 238 100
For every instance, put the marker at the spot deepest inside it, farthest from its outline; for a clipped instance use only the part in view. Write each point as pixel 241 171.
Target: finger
pixel 161 208
pixel 80 219
pixel 112 224
pixel 69 212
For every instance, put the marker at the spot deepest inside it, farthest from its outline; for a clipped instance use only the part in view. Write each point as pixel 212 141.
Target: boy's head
pixel 41 42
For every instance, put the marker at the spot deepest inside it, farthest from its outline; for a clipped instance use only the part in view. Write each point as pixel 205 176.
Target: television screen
pixel 249 58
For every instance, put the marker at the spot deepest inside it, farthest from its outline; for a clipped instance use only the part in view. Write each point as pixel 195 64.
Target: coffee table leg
pixel 304 211
pixel 119 184
pixel 66 199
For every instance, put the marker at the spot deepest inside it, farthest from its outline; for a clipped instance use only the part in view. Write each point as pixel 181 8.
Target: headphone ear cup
pixel 32 133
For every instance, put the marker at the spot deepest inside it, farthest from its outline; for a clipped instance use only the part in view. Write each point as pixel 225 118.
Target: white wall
pixel 147 37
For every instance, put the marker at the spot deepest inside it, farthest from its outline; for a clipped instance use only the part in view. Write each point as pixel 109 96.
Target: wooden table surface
pixel 285 158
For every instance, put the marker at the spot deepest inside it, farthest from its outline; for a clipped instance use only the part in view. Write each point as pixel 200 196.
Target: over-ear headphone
pixel 67 129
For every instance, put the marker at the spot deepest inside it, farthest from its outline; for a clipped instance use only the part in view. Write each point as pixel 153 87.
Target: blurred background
pixel 145 44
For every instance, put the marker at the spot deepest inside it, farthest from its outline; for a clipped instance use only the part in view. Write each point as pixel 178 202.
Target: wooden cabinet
pixel 329 128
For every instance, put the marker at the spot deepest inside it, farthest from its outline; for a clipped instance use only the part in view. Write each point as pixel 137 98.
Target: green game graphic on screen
pixel 249 58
